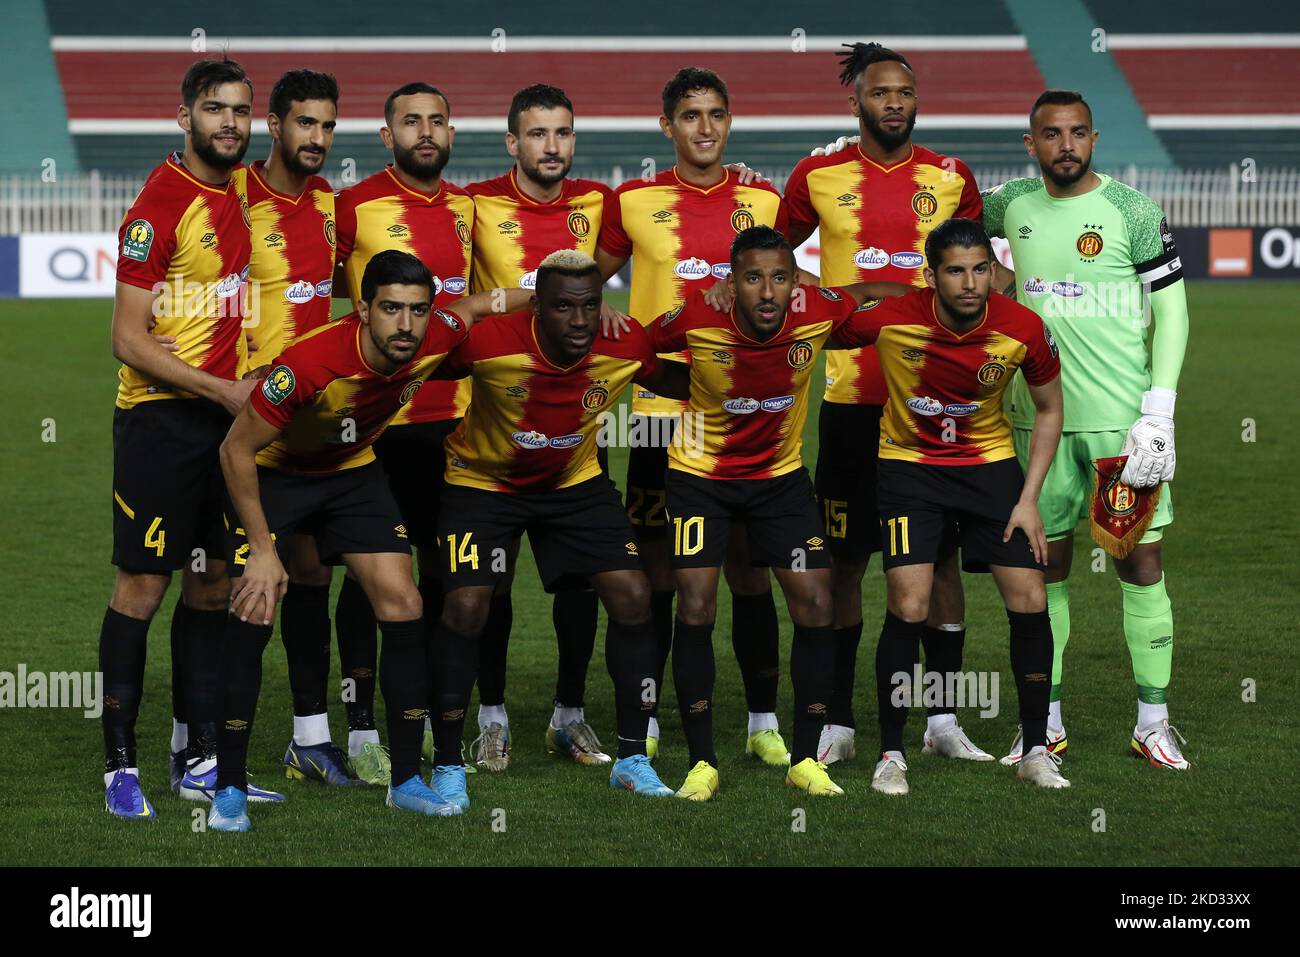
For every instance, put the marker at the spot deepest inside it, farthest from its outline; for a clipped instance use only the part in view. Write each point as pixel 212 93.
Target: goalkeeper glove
pixel 1150 442
pixel 832 148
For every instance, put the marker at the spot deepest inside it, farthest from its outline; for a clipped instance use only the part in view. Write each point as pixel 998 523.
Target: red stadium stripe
pixel 1213 82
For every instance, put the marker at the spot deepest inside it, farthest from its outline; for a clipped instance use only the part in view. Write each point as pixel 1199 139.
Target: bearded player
pixel 1090 255
pixel 874 199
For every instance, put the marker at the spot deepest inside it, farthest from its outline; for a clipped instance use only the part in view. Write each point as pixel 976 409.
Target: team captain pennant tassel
pixel 1120 514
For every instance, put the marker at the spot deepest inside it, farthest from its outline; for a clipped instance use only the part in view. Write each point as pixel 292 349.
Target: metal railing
pixel 1224 196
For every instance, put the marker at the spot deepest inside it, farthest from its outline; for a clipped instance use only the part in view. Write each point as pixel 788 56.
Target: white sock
pixel 1054 717
pixel 652 730
pixel 311 730
pixel 357 738
pixel 1035 750
pixel 108 775
pixel 896 755
pixel 563 717
pixel 180 736
pixel 937 722
pixel 762 721
pixel 492 714
pixel 1151 714
pixel 428 724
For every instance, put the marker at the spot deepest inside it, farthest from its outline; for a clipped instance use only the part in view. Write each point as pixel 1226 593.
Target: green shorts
pixel 1068 486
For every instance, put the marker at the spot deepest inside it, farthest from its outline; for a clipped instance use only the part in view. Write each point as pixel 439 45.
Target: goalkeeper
pixel 1085 246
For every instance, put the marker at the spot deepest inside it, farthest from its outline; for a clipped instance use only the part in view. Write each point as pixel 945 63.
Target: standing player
pixel 292 211
pixel 874 203
pixel 406 206
pixel 187 230
pixel 291 462
pixel 678 226
pixel 1084 247
pixel 749 386
pixel 519 219
pixel 525 461
pixel 946 457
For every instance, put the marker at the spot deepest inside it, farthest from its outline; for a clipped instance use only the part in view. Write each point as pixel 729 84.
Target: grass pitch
pixel 1232 575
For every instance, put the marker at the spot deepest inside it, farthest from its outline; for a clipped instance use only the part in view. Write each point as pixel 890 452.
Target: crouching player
pixel 946 455
pixel 299 460
pixel 524 459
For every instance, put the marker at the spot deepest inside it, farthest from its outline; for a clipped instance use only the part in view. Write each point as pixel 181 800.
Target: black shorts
pixel 780 517
pixel 919 504
pixel 414 460
pixel 575 533
pixel 350 511
pixel 647 465
pixel 167 484
pixel 848 442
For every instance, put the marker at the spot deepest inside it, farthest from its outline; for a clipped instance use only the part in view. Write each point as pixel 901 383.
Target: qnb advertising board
pixel 67 265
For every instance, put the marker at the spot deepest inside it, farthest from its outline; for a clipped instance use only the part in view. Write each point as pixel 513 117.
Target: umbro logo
pixel 662 216
pixel 398 229
pixel 1024 232
pixel 209 240
pixel 274 241
pixel 846 199
pixel 507 227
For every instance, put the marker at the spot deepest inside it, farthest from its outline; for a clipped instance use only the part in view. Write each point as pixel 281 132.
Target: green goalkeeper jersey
pixel 1081 264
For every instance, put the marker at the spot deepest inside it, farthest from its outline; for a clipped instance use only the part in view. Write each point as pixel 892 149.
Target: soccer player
pixel 519 219
pixel 874 200
pixel 678 227
pixel 1085 247
pixel 300 456
pixel 750 369
pixel 525 460
pixel 183 258
pixel 406 206
pixel 291 274
pixel 946 457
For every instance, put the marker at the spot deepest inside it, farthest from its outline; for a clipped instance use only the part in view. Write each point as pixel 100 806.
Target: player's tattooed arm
pixel 134 345
pixel 255 594
pixel 671 379
pixel 1049 416
pixel 1004 280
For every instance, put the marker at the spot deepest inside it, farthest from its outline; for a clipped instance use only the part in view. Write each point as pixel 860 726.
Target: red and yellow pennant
pixel 1119 514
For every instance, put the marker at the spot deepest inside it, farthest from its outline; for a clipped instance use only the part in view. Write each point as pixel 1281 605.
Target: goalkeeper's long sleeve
pixel 1169 341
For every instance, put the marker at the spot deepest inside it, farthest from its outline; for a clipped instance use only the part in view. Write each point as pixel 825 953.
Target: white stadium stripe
pixel 1201 41
pixel 484 44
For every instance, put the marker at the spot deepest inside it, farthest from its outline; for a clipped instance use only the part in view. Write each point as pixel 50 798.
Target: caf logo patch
pixel 1051 342
pixel 1089 244
pixel 462 231
pixel 801 354
pixel 924 204
pixel 579 225
pixel 991 372
pixel 741 220
pixel 278 385
pixel 409 390
pixel 594 398
pixel 1118 498
pixel 137 240
pixel 830 294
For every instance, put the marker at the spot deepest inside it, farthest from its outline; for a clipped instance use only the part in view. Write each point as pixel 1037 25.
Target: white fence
pixel 1226 196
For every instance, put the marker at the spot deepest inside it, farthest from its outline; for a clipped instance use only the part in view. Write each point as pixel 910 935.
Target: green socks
pixel 1058 609
pixel 1149 631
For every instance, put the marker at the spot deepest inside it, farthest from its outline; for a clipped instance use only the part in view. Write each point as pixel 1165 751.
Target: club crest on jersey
pixel 462 231
pixel 409 390
pixel 924 204
pixel 1119 499
pixel 594 398
pixel 300 292
pixel 137 240
pixel 1089 244
pixel 330 231
pixel 801 354
pixel 243 209
pixel 693 268
pixel 278 385
pixel 871 258
pixel 741 220
pixel 579 225
pixel 991 372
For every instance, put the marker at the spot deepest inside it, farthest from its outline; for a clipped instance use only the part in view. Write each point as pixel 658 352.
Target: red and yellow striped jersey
pixel 873 221
pixel 749 397
pixel 945 390
pixel 331 404
pixel 381 212
pixel 187 240
pixel 532 426
pixel 292 266
pixel 513 233
pixel 679 237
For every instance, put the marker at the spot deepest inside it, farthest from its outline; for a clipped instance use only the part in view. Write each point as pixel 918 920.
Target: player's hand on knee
pixel 1150 442
pixel 1025 517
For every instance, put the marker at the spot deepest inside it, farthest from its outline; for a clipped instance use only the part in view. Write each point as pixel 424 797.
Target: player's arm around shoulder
pixel 665 377
pixel 490 302
pixel 873 305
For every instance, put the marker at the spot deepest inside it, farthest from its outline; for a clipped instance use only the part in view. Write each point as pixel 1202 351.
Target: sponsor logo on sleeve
pixel 741 406
pixel 530 440
pixel 693 268
pixel 961 408
pixel 907 260
pixel 566 441
pixel 871 258
pixel 924 405
pixel 778 403
pixel 409 390
pixel 300 292
pixel 278 385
